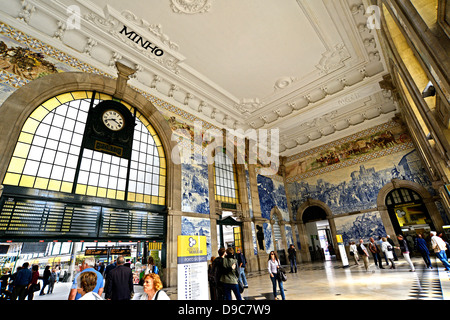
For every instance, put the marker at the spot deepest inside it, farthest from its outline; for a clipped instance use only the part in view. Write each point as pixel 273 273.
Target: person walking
pixel 388 250
pixel 241 263
pixel 21 281
pixel 391 242
pixel 120 282
pixel 216 274
pixel 422 246
pixel 273 265
pixel 439 247
pixel 354 252
pixel 292 254
pixel 34 281
pixel 151 266
pixel 375 253
pixel 51 281
pixel 363 253
pixel 230 276
pixel 45 279
pixel 405 251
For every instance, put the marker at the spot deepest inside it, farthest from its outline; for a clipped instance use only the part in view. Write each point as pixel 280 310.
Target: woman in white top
pixel 86 283
pixel 152 288
pixel 353 249
pixel 273 265
pixel 388 251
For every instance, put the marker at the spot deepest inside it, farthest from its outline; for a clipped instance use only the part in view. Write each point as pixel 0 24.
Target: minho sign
pixel 133 36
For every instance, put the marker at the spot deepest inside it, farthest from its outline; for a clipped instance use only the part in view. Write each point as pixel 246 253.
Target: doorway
pixel 408 214
pixel 319 234
pixel 229 232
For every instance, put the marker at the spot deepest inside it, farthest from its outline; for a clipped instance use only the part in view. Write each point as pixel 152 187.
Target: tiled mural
pixel 198 227
pixel 360 226
pixel 356 187
pixel 272 193
pixel 194 186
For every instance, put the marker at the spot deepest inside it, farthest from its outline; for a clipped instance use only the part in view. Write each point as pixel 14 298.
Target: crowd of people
pixel 93 282
pixel 226 273
pixel 385 247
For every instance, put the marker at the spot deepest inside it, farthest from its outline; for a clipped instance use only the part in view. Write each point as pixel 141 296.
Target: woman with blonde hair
pixel 153 288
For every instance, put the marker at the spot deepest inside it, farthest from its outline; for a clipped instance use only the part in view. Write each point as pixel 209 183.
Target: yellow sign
pixel 191 249
pixel 339 238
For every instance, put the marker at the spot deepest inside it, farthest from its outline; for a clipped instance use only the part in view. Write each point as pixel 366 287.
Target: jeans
pixel 293 261
pixel 274 280
pixel 377 259
pixel 242 276
pixel 426 258
pixel 443 257
pixel 228 287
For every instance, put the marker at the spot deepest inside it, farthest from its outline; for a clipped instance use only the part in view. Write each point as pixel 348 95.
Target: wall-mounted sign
pixel 145 44
pixel 108 148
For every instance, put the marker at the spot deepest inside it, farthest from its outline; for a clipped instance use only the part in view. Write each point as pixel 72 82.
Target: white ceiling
pixel 310 68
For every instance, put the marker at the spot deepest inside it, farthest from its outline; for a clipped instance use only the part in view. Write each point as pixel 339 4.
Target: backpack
pixel 360 250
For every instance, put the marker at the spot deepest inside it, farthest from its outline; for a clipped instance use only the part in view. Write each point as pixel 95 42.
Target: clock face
pixel 113 120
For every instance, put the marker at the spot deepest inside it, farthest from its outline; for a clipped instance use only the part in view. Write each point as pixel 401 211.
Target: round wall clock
pixel 113 120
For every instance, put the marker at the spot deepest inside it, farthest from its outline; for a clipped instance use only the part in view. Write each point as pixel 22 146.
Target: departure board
pixel 25 217
pixel 31 218
pixel 131 222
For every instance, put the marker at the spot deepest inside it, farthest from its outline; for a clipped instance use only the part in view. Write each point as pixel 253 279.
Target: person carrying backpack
pixel 363 253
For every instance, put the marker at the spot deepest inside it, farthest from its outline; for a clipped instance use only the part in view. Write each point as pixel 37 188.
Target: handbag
pixel 36 287
pixel 282 274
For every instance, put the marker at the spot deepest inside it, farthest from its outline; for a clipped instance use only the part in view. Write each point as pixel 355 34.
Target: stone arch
pixel 303 236
pixel 19 105
pixel 427 198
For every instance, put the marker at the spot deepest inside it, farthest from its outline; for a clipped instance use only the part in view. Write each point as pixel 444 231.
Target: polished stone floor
pixel 330 281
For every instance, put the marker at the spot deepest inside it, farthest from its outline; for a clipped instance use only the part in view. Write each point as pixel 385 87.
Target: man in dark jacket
pixel 217 271
pixel 21 282
pixel 120 282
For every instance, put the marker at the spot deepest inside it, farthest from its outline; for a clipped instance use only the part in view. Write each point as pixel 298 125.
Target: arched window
pixel 51 154
pixel 225 179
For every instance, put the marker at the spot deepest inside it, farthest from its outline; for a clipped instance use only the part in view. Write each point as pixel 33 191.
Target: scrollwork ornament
pixel 190 6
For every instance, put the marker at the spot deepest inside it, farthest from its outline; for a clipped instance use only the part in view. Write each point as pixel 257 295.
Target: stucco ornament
pixel 190 6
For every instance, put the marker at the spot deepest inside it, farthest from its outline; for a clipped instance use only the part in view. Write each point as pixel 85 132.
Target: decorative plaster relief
pixel 190 6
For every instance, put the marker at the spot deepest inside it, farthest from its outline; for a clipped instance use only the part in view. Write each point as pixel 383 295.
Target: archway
pixel 317 226
pixel 316 231
pixel 405 196
pixel 23 104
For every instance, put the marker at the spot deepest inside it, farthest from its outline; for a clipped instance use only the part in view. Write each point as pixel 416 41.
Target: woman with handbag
pixel 274 266
pixel 34 284
pixel 230 278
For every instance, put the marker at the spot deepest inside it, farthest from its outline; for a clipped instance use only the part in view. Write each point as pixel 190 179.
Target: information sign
pixel 192 268
pixel 342 251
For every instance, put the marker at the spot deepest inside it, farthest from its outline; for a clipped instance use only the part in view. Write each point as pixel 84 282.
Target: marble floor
pixel 330 281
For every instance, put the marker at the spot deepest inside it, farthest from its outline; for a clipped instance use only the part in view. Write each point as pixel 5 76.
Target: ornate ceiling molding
pixel 190 6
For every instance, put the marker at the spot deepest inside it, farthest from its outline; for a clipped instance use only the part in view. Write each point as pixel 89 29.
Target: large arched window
pixel 407 211
pixel 225 179
pixel 51 155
